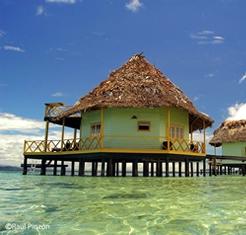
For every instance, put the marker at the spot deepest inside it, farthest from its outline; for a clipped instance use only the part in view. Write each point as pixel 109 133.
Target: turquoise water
pixel 86 205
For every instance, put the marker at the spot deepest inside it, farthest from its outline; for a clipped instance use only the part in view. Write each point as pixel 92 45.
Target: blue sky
pixel 57 50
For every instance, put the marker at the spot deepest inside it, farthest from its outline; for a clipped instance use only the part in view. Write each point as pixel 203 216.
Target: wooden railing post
pixel 204 136
pixel 46 136
pixel 168 128
pixel 62 136
pixel 101 128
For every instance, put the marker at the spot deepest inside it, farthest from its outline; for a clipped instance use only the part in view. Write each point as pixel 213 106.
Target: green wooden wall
pixel 234 149
pixel 121 131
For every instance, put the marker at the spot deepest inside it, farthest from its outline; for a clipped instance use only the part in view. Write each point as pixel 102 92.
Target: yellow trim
pixel 102 128
pixel 62 137
pixel 46 135
pixel 168 128
pixel 204 136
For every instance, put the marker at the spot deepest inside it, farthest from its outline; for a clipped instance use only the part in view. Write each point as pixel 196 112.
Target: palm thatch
pixel 228 132
pixel 139 84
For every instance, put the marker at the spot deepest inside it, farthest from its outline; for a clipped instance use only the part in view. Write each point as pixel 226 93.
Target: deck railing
pixel 161 144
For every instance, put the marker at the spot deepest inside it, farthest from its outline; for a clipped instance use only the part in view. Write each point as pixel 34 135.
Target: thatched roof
pixel 138 83
pixel 228 132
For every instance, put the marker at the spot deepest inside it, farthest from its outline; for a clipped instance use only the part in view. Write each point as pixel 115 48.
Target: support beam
pixel 63 169
pixel 94 168
pixel 180 169
pixel 81 168
pixel 43 167
pixel 135 168
pixel 197 169
pixel 204 167
pixel 102 128
pixel 109 167
pixel 72 168
pixel 103 168
pixel 186 167
pixel 152 168
pixel 204 136
pixel 62 135
pixel 117 168
pixel 145 168
pixel 55 168
pixel 74 136
pixel 191 168
pixel 159 168
pixel 210 168
pixel 25 166
pixel 168 128
pixel 46 136
pixel 123 170
pixel 173 169
pixel 167 167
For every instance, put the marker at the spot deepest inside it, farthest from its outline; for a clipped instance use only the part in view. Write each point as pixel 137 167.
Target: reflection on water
pixel 77 205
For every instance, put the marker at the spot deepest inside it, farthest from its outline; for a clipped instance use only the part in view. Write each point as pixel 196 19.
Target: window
pixel 144 126
pixel 176 132
pixel 95 129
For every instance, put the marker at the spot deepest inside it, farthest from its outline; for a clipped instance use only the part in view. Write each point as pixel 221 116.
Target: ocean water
pixel 93 205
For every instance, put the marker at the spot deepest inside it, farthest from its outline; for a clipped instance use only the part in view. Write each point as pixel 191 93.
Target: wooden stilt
pixel 113 168
pixel 43 167
pixel 204 167
pixel 186 167
pixel 94 169
pixel 158 168
pixel 123 170
pixel 180 169
pixel 135 168
pixel 103 168
pixel 109 167
pixel 81 168
pixel 173 169
pixel 191 168
pixel 220 170
pixel 145 168
pixel 167 167
pixel 152 168
pixel 25 166
pixel 72 168
pixel 117 168
pixel 55 168
pixel 197 169
pixel 210 169
pixel 63 169
pixel 243 170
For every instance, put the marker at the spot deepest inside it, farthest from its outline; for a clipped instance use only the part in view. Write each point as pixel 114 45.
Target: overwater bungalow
pixel 137 115
pixel 231 136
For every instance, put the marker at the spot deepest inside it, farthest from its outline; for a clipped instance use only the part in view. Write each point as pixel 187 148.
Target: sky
pixel 58 50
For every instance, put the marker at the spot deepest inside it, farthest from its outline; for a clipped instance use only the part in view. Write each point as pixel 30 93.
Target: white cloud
pixel 62 1
pixel 207 37
pixel 13 48
pixel 57 94
pixel 10 121
pixel 206 32
pixel 210 75
pixel 40 10
pixel 196 98
pixel 243 78
pixel 133 5
pixel 15 129
pixel 2 33
pixel 237 112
